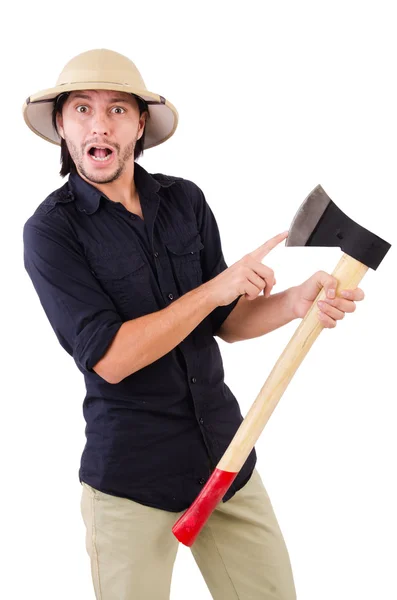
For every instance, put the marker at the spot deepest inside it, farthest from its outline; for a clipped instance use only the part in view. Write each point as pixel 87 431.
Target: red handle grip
pixel 189 525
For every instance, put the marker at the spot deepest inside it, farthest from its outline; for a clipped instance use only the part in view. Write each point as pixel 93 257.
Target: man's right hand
pixel 247 276
pixel 142 340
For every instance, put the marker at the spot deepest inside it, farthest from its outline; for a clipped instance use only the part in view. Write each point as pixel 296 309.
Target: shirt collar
pixel 88 197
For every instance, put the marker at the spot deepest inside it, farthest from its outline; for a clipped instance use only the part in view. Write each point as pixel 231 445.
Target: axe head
pixel 319 222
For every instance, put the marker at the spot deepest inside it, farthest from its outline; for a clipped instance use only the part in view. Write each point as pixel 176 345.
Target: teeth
pixel 101 158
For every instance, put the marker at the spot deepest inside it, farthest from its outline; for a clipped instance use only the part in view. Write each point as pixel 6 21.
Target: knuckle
pixel 245 270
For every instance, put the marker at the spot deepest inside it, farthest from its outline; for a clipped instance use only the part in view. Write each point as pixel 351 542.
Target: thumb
pixel 327 281
pixel 260 253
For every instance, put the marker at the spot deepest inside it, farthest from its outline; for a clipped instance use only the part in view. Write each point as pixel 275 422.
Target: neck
pixel 122 189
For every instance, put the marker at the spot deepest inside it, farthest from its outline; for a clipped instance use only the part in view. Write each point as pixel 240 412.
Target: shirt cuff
pixel 92 343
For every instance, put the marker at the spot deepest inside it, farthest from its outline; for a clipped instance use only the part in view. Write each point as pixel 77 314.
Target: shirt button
pixel 201 420
pixel 193 380
pixel 202 481
pixel 132 216
pixel 156 254
pixel 170 296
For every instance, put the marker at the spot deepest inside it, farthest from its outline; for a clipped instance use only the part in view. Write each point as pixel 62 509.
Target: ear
pixel 142 122
pixel 59 122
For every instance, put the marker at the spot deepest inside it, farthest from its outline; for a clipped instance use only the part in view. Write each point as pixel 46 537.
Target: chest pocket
pixel 125 276
pixel 184 256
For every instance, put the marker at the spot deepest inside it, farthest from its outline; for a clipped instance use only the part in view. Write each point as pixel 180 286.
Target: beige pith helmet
pixel 101 70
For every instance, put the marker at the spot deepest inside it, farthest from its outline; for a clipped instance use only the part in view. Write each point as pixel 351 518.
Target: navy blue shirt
pixel 156 436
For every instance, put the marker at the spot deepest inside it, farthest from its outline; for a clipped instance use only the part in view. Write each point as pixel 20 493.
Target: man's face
pixel 101 128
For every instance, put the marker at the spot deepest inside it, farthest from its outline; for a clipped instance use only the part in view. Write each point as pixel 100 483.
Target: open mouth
pixel 100 153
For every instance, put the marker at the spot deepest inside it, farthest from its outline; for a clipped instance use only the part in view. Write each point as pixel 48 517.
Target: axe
pixel 318 222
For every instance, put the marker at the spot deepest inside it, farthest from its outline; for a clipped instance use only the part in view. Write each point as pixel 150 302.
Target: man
pixel 129 269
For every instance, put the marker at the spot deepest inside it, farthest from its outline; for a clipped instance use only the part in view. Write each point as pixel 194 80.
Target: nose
pixel 100 124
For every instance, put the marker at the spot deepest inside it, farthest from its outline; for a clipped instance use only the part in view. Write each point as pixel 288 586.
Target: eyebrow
pixel 114 99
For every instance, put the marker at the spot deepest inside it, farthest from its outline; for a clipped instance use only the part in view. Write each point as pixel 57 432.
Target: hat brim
pixel 37 111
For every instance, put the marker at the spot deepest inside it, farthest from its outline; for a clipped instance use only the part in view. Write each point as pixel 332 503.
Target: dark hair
pixel 67 163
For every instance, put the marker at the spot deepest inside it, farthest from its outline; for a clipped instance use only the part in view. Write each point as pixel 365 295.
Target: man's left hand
pixel 333 308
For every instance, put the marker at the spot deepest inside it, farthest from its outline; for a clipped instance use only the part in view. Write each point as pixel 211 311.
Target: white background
pixel 273 98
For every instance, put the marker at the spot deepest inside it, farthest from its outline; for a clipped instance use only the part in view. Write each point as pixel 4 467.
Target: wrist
pixel 206 291
pixel 291 299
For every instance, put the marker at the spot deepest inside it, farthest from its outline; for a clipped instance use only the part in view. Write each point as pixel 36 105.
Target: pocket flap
pixel 117 266
pixel 191 245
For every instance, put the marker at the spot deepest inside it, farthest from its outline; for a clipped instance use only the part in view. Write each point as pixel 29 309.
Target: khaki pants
pixel 240 551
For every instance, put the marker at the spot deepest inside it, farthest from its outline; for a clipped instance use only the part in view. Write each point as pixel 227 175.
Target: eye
pixel 118 108
pixel 81 106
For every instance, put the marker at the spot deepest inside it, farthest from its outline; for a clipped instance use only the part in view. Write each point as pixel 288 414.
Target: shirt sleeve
pixel 212 260
pixel 81 314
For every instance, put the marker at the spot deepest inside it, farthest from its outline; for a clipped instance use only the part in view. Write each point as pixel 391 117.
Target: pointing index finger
pixel 265 248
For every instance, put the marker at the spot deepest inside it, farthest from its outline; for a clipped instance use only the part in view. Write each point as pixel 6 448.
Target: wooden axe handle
pixel 348 272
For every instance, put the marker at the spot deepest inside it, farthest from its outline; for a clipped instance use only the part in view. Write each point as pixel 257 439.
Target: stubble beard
pixel 77 157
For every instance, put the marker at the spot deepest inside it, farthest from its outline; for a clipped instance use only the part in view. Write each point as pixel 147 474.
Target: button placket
pixel 163 281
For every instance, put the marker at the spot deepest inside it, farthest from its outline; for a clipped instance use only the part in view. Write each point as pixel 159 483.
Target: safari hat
pixel 101 70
